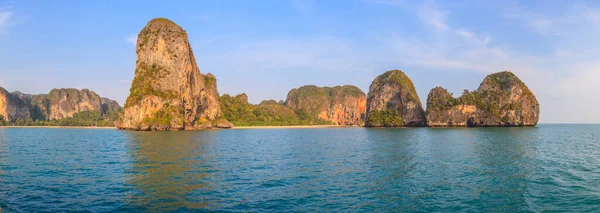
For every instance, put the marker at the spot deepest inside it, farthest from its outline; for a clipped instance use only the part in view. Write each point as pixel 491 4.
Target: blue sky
pixel 265 48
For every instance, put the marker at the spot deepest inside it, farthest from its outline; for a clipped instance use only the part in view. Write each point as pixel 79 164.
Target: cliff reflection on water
pixel 550 167
pixel 172 170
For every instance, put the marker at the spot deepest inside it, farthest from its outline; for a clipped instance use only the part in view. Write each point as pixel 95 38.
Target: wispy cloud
pixel 132 39
pixel 450 48
pixel 575 18
pixel 430 14
pixel 5 19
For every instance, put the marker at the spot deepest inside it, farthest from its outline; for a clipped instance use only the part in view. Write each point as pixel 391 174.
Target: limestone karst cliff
pixel 268 113
pixel 168 91
pixel 340 105
pixel 63 103
pixel 502 99
pixel 12 107
pixel 393 101
pixel 58 104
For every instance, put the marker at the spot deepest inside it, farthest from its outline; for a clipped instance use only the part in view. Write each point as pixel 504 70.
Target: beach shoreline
pixel 293 127
pixel 235 127
pixel 61 127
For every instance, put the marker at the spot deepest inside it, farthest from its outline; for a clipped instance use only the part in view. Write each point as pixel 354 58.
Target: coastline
pixel 236 127
pixel 61 127
pixel 293 127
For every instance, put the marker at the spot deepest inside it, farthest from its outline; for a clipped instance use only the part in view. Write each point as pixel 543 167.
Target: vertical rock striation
pixel 64 103
pixel 340 105
pixel 168 92
pixel 393 101
pixel 56 105
pixel 502 99
pixel 12 107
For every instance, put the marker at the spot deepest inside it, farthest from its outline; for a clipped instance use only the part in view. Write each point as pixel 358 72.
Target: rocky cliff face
pixel 502 99
pixel 63 103
pixel 12 107
pixel 168 92
pixel 56 105
pixel 393 101
pixel 341 105
pixel 110 108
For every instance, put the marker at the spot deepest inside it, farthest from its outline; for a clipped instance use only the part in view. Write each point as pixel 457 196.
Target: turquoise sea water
pixel 553 168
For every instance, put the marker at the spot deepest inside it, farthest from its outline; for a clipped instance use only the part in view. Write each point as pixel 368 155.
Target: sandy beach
pixel 292 127
pixel 237 127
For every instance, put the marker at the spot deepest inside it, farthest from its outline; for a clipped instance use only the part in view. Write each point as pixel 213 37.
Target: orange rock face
pixel 339 105
pixel 168 91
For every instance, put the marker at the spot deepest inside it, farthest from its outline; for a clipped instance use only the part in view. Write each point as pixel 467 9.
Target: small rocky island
pixel 393 102
pixel 168 91
pixel 502 99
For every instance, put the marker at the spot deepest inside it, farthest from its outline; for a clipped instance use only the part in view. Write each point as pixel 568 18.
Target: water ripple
pixel 547 168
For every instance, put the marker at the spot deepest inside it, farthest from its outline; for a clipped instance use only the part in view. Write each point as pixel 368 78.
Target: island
pixel 169 92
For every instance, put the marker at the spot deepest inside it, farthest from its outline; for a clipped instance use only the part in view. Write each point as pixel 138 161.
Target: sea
pixel 547 168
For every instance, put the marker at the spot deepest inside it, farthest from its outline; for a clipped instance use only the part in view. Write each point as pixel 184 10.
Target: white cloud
pixel 132 39
pixel 5 18
pixel 450 48
pixel 430 14
pixel 558 83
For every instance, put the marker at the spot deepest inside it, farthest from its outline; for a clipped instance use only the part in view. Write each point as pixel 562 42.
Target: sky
pixel 265 48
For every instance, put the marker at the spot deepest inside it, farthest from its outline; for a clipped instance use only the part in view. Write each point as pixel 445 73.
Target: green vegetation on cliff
pixel 85 118
pixel 238 111
pixel 163 117
pixel 400 78
pixel 501 99
pixel 393 94
pixel 487 98
pixel 142 84
pixel 385 118
pixel 308 101
pixel 60 107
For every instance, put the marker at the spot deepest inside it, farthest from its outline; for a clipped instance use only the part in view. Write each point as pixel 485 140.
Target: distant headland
pixel 168 92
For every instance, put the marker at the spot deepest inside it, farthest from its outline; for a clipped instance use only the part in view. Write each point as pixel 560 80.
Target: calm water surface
pixel 551 168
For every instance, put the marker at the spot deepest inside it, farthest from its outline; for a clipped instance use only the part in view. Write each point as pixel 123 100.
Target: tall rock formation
pixel 341 105
pixel 502 99
pixel 168 92
pixel 12 107
pixel 393 102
